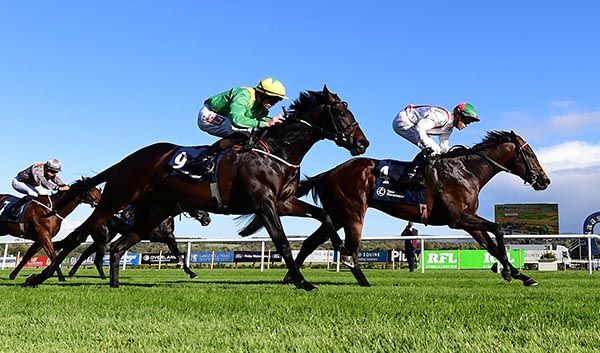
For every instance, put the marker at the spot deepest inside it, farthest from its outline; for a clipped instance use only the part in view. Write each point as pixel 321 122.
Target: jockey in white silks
pixel 420 123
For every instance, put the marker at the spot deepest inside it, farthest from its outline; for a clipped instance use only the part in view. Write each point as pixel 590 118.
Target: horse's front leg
pixel 28 255
pixel 299 208
pixel 46 240
pixel 267 211
pixel 473 222
pixel 493 250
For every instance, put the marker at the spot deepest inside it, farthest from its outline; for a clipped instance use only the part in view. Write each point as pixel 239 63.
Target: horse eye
pixel 345 104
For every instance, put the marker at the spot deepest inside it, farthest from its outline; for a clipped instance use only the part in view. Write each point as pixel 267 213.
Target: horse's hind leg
pixel 86 253
pixel 353 235
pixel 99 260
pixel 149 214
pixel 117 250
pixel 28 255
pixel 168 238
pixel 309 245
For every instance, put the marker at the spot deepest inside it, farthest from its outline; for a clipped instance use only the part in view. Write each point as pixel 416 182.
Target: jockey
pixel 418 123
pixel 234 114
pixel 38 179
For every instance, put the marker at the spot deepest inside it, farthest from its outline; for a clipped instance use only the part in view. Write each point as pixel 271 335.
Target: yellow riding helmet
pixel 271 87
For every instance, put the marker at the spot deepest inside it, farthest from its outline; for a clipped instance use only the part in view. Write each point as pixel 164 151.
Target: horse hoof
pixel 506 276
pixel 347 261
pixel 307 286
pixel 494 267
pixel 287 279
pixel 11 277
pixel 530 283
pixel 31 281
pixel 62 279
pixel 193 275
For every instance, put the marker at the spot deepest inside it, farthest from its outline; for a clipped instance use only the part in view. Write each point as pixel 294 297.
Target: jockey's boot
pixel 205 163
pixel 413 177
pixel 13 212
pixel 416 176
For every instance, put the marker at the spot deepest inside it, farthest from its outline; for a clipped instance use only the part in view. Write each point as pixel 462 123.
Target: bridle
pixel 529 170
pixel 340 135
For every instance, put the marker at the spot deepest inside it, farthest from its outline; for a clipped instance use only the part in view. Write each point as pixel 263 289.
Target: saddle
pixel 389 186
pixel 7 214
pixel 185 162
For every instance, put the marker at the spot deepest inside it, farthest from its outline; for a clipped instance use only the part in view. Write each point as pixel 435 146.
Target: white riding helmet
pixel 53 165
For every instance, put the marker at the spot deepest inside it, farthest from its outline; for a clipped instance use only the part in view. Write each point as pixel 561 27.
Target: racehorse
pixel 452 183
pixel 42 229
pixel 121 225
pixel 262 181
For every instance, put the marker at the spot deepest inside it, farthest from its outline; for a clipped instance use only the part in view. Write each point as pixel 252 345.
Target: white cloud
pixel 572 155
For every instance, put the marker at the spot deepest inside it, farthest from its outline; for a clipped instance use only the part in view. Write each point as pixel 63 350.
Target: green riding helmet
pixel 467 112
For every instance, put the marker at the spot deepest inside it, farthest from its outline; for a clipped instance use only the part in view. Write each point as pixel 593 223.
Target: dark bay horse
pixel 117 224
pixel 452 184
pixel 261 182
pixel 42 229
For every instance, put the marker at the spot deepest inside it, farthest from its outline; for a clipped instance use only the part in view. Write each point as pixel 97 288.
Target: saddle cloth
pixel 180 163
pixel 388 189
pixel 6 205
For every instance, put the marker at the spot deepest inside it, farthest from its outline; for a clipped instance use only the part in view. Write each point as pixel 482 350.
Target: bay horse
pixel 41 229
pixel 452 183
pixel 262 182
pixel 121 225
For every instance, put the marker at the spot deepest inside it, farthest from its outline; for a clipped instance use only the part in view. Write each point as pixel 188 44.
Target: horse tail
pixel 251 224
pixel 81 186
pixel 311 184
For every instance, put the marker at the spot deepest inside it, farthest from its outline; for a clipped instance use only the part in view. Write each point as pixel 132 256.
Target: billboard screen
pixel 528 218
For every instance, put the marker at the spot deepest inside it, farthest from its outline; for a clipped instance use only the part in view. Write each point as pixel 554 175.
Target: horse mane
pixel 304 103
pixel 308 100
pixel 493 137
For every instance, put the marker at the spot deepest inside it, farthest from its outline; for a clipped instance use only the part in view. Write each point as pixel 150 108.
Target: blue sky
pixel 90 82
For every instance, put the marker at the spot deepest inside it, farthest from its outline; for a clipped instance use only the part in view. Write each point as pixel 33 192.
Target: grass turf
pixel 244 310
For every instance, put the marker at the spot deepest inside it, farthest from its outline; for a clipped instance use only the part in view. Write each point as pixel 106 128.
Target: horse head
pixel 525 164
pixel 510 153
pixel 330 117
pixel 90 197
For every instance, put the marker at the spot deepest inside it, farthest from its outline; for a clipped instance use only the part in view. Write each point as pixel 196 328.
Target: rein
pixel 519 152
pixel 49 208
pixel 277 158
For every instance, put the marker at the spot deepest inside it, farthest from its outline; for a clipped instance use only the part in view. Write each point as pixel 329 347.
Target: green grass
pixel 247 311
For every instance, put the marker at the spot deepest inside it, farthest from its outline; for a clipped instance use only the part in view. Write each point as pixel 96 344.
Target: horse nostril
pixel 363 144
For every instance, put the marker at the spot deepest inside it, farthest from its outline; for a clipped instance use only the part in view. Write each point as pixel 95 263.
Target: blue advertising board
pixel 206 257
pixel 132 259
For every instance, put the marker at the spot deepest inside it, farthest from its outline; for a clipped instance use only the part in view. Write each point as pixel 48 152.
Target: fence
pixel 421 238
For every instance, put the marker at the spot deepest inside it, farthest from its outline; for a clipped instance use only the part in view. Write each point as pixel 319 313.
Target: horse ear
pixel 328 94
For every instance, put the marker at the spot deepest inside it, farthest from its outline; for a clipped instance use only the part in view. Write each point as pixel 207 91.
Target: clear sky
pixel 89 82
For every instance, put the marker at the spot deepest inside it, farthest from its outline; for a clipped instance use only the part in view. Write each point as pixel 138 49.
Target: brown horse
pixel 42 229
pixel 122 225
pixel 262 182
pixel 452 182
